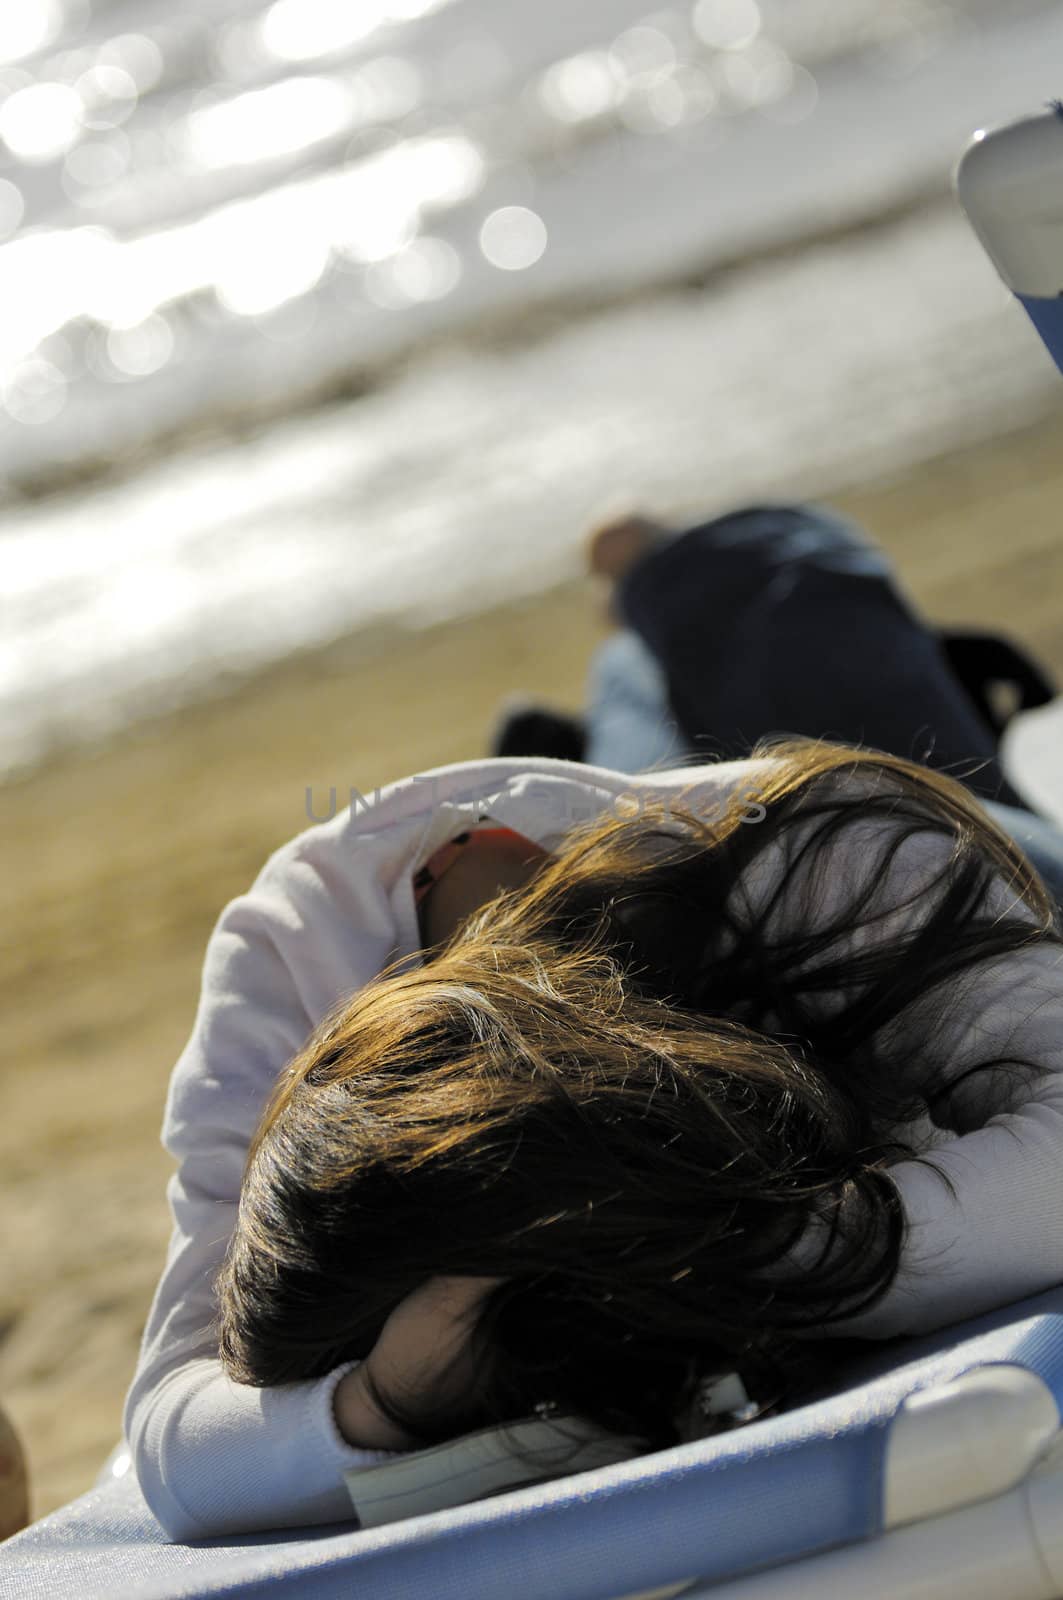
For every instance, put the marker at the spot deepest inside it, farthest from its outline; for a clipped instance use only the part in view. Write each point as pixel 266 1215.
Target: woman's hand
pixel 423 1356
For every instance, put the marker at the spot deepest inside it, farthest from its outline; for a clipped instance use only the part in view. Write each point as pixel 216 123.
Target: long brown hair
pixel 627 1087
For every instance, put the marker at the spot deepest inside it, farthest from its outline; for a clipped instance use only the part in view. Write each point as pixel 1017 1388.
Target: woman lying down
pixel 534 1083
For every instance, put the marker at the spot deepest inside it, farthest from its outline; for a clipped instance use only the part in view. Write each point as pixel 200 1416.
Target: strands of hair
pixel 656 1091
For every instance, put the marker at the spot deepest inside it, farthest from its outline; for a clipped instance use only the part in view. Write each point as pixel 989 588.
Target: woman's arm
pixel 996 1236
pixel 213 1456
pixel 423 1356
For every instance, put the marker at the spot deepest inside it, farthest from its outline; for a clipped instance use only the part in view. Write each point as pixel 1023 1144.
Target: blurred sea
pixel 326 311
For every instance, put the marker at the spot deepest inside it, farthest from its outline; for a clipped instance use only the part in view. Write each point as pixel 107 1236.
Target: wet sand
pixel 117 860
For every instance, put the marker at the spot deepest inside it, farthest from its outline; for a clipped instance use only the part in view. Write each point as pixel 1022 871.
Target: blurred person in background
pixel 784 619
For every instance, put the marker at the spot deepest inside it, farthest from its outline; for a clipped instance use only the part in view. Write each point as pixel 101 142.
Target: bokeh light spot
pixel 34 392
pixel 136 55
pixel 669 100
pixel 98 162
pixel 580 87
pixel 739 76
pixel 239 53
pixel 427 269
pixel 109 96
pixel 41 122
pixel 447 169
pixel 727 24
pixel 642 50
pixel 26 26
pixel 666 102
pixel 142 349
pixel 390 86
pixel 513 238
pixel 799 100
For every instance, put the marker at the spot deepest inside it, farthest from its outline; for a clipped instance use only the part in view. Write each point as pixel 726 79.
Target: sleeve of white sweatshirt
pixel 999 1236
pixel 211 1456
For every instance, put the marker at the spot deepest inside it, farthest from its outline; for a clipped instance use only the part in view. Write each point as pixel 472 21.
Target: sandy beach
pixel 117 860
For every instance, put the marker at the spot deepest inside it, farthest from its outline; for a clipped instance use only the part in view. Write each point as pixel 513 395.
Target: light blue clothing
pixel 630 726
